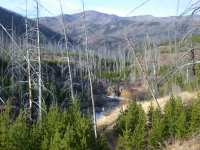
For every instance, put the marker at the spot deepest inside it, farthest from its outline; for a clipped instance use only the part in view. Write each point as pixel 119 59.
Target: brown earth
pixel 192 143
pixel 109 120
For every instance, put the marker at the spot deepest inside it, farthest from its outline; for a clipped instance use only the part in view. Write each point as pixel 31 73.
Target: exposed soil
pixel 192 143
pixel 107 121
pixel 186 97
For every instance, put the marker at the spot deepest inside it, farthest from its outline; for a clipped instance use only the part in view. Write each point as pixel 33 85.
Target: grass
pixel 114 76
pixel 186 144
pixel 196 38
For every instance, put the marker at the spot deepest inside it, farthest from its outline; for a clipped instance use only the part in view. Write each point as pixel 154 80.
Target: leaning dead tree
pixel 66 48
pixel 175 69
pixel 195 7
pixel 144 73
pixel 89 71
pixel 2 100
pixel 16 65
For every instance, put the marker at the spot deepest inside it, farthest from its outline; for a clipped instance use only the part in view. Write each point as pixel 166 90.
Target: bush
pixel 19 135
pixel 63 130
pixel 174 118
pixel 58 130
pixel 125 141
pixel 195 116
pixel 155 136
pixel 130 128
pixel 69 129
pixel 4 126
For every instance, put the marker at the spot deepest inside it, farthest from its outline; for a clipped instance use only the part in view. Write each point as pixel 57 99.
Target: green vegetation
pixel 174 118
pixel 196 38
pixel 71 128
pixel 58 130
pixel 194 125
pixel 40 82
pixel 114 76
pixel 176 122
pixel 130 128
pixel 184 81
pixel 117 76
pixel 155 132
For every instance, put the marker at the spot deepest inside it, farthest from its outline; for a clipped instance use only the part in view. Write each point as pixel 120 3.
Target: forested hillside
pixel 93 81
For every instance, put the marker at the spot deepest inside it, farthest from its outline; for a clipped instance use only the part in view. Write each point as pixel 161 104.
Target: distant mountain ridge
pixel 105 31
pixel 110 31
pixel 7 18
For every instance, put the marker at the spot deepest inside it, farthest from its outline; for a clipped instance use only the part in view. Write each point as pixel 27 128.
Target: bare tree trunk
pixel 29 80
pixel 89 74
pixel 28 63
pixel 144 74
pixel 193 60
pixel 187 75
pixel 68 58
pixel 12 57
pixel 39 66
pixel 2 100
pixel 93 104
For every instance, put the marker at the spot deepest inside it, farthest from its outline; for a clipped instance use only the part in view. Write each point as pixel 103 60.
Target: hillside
pixel 92 88
pixel 110 31
pixel 7 17
pixel 104 30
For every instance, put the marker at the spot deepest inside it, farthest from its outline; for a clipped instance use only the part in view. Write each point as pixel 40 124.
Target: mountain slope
pixel 105 31
pixel 8 17
pixel 110 31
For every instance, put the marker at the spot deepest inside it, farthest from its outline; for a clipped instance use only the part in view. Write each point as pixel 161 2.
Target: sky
pixel 158 8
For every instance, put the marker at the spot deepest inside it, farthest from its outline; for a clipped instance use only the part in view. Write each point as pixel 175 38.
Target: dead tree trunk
pixel 39 66
pixel 193 60
pixel 28 63
pixel 66 47
pixel 89 73
pixel 12 57
pixel 151 90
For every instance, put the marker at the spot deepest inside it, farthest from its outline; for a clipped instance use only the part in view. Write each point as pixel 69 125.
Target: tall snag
pixel 89 72
pixel 28 62
pixel 66 48
pixel 39 65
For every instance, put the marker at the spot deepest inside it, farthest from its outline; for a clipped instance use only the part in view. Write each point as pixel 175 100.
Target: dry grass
pixel 192 143
pixel 187 97
pixel 109 120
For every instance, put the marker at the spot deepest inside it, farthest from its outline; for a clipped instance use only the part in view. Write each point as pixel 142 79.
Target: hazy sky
pixel 118 7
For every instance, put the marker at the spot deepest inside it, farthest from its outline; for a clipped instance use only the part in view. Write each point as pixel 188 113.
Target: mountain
pixel 111 31
pixel 7 18
pixel 105 31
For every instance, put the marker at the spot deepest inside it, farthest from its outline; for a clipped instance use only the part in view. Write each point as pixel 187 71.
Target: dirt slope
pixel 109 120
pixel 192 143
pixel 187 97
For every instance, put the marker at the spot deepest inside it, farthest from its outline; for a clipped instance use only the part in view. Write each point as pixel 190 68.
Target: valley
pixel 97 81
